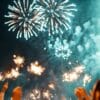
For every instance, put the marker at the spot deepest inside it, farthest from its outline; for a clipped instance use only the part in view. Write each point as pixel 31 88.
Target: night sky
pixel 32 49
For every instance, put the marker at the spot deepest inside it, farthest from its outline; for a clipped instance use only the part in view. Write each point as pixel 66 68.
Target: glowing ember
pixel 36 69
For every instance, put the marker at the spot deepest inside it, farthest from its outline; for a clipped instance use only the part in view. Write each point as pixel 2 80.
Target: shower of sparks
pixel 87 78
pixel 36 69
pixel 57 14
pixel 18 60
pixel 60 48
pixel 24 17
pixel 73 75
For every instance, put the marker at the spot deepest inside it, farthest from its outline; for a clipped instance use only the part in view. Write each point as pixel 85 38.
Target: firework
pixel 24 17
pixel 70 77
pixel 60 48
pixel 57 14
pixel 74 74
pixel 18 60
pixel 36 69
pixel 79 69
pixel 13 73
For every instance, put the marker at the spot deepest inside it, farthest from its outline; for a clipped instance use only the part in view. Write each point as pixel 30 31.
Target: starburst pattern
pixel 57 14
pixel 24 17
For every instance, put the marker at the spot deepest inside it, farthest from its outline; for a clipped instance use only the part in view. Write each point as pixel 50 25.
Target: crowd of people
pixel 94 94
pixel 80 92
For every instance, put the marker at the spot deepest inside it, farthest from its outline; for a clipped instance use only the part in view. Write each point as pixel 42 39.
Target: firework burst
pixel 36 69
pixel 24 17
pixel 57 14
pixel 60 47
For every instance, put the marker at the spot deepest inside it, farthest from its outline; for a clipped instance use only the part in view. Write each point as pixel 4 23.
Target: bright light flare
pixel 36 69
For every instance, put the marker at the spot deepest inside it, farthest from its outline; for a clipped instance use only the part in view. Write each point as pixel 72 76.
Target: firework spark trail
pixel 24 17
pixel 57 14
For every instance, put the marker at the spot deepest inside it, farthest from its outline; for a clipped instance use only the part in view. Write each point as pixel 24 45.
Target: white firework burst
pixel 24 17
pixel 57 15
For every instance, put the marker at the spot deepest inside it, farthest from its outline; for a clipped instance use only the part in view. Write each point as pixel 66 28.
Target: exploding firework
pixel 36 69
pixel 24 17
pixel 57 14
pixel 60 48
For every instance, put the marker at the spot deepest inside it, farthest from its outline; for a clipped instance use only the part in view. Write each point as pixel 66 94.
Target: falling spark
pixel 36 69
